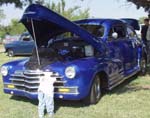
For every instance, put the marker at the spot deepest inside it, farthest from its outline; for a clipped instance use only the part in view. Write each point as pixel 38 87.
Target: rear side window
pixel 130 33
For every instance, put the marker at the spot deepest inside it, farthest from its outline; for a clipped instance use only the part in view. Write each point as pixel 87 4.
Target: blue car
pixel 89 56
pixel 23 46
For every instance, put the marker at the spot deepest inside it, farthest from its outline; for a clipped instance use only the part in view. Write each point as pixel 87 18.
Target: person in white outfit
pixel 46 94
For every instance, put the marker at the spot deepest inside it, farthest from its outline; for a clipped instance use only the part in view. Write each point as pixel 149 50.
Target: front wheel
pixel 95 92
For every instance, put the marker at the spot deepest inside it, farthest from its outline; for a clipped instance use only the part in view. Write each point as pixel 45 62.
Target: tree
pixel 2 15
pixel 21 3
pixel 141 20
pixel 16 27
pixel 18 3
pixel 73 13
pixel 13 29
pixel 141 3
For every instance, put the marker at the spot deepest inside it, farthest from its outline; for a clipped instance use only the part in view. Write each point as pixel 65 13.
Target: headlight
pixel 4 70
pixel 70 72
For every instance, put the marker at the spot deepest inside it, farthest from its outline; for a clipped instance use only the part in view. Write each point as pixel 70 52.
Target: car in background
pixel 23 46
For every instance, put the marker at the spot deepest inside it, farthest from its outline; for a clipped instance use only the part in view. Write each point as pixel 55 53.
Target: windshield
pixel 96 30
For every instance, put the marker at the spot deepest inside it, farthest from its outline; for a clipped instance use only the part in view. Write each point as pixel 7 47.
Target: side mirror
pixel 115 35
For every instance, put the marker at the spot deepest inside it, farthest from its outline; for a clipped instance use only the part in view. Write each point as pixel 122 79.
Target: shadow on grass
pixel 148 69
pixel 24 99
pixel 58 102
pixel 127 87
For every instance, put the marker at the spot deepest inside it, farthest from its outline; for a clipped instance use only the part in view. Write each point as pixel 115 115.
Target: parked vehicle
pixel 88 56
pixel 23 46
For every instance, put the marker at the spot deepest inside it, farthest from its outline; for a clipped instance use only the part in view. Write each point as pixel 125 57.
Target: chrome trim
pixel 22 91
pixel 24 76
pixel 67 87
pixel 123 79
pixel 37 92
pixel 16 79
pixel 67 93
pixel 26 86
pixel 26 81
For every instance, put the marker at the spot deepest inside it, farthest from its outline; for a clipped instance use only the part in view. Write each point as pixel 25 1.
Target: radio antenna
pixel 36 47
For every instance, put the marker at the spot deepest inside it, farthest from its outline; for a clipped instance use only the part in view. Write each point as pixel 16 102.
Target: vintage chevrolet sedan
pixel 88 56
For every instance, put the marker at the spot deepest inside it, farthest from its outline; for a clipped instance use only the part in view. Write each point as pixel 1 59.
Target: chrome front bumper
pixel 28 81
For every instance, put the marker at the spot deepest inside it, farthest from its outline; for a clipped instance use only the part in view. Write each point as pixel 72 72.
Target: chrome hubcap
pixel 97 88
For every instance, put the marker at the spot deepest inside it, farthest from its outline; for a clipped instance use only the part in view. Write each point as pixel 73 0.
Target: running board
pixel 123 79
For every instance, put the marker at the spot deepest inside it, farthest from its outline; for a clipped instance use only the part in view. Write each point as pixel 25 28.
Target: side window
pixel 130 33
pixel 26 38
pixel 120 30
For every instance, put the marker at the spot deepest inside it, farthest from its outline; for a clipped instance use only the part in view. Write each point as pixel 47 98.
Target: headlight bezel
pixel 70 72
pixel 4 70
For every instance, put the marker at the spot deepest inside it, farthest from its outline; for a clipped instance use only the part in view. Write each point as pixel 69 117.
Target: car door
pixel 127 48
pixel 121 48
pixel 132 41
pixel 116 55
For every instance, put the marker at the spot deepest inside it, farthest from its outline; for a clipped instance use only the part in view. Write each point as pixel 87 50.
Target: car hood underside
pixel 48 24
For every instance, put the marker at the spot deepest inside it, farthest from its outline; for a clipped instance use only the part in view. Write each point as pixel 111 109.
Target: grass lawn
pixel 129 100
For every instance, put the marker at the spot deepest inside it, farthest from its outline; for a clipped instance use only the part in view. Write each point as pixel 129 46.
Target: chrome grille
pixel 28 80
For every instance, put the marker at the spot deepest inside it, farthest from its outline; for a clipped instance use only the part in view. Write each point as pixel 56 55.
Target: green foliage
pixel 141 20
pixel 73 13
pixel 141 3
pixel 13 29
pixel 18 3
pixel 2 16
pixel 16 27
pixel 21 3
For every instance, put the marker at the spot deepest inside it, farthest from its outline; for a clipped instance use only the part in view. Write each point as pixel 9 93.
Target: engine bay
pixel 60 50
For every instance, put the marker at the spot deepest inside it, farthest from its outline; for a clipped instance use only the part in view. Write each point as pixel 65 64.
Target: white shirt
pixel 148 34
pixel 46 84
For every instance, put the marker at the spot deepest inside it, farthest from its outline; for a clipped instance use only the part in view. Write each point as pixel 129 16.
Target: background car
pixel 23 46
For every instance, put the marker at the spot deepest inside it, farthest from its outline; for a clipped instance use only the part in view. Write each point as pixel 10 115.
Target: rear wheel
pixel 10 53
pixel 95 92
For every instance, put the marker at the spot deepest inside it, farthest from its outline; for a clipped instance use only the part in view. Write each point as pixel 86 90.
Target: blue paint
pixel 117 58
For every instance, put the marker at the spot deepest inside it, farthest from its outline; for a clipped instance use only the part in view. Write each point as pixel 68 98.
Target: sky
pixel 98 9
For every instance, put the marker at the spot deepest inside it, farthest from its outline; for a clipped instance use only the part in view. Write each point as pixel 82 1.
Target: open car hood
pixel 132 22
pixel 48 24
